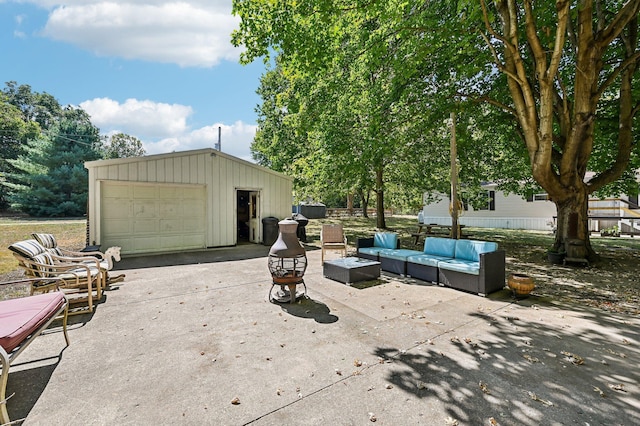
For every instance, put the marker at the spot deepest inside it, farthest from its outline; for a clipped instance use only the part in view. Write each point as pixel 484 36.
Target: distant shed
pixel 182 201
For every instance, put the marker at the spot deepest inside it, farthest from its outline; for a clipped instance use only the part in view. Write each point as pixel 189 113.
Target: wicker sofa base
pixel 422 272
pixel 393 265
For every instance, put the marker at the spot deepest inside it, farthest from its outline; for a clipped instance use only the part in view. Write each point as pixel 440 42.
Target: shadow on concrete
pixel 309 308
pixel 224 254
pixel 528 372
pixel 25 386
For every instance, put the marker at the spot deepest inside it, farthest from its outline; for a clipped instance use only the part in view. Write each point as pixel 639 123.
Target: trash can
pixel 269 230
pixel 301 231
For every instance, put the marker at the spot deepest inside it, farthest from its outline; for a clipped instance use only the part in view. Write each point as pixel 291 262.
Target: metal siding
pixel 219 174
pixel 123 172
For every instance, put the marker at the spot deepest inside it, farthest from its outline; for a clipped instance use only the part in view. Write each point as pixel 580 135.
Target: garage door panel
pixel 149 192
pixel 191 225
pixel 171 226
pixel 140 244
pixel 145 226
pixel 147 218
pixel 145 209
pixel 171 209
pixel 192 208
pixel 119 226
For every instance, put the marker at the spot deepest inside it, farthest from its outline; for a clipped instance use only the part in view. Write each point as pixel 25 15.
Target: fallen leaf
pixel 597 389
pixel 235 401
pixel 450 421
pixel 493 422
pixel 455 339
pixel 357 363
pixel 421 385
pixel 543 401
pixel 573 358
pixel 372 417
pixel 531 359
pixel 484 388
pixel 617 386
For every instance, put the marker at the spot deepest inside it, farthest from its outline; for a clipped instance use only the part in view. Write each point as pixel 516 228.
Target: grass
pixel 70 233
pixel 610 284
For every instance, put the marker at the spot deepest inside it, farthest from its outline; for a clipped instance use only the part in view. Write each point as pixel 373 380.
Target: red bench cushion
pixel 21 317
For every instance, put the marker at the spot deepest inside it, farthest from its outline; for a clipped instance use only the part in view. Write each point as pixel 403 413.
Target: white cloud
pixel 236 140
pixel 163 127
pixel 187 33
pixel 135 117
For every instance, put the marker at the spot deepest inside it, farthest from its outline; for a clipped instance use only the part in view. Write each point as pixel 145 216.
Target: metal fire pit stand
pixel 283 294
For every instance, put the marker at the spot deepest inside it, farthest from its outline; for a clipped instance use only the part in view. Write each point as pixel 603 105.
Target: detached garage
pixel 182 201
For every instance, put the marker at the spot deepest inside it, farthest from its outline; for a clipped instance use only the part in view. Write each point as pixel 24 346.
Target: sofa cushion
pixel 471 249
pixel 371 251
pixel 48 241
pixel 21 317
pixel 426 259
pixel 444 247
pixel 27 248
pixel 460 265
pixel 398 254
pixel 385 240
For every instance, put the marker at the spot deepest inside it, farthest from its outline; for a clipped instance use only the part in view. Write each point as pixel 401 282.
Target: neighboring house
pixel 502 211
pixel 536 213
pixel 182 201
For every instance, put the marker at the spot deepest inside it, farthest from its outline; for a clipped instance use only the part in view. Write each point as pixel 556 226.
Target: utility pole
pixel 454 181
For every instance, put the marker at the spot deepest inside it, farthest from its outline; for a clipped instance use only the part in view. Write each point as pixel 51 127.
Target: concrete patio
pixel 185 335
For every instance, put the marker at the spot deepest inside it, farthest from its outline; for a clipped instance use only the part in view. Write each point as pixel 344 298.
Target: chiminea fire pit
pixel 287 263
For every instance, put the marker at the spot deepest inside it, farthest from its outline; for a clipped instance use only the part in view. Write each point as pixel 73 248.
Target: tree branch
pixel 622 18
pixel 614 74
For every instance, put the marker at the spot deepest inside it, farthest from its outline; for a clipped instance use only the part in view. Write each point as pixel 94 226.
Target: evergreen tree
pixel 14 133
pixel 54 181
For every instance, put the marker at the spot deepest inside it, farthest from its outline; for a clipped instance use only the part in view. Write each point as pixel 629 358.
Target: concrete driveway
pixel 191 339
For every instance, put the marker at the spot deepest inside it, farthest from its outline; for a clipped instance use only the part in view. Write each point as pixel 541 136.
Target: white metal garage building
pixel 182 201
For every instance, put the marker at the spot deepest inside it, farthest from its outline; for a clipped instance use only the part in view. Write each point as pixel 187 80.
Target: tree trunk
pixel 573 225
pixel 365 202
pixel 380 222
pixel 350 203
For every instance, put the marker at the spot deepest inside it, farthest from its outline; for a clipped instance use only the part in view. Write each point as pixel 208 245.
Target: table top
pixel 352 262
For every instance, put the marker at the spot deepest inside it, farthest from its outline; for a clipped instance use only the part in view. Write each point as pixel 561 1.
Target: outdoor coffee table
pixel 351 269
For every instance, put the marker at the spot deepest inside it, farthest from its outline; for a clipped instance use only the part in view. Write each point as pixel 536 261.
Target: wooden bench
pixel 21 321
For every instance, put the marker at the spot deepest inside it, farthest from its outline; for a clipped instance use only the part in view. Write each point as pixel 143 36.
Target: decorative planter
pixel 520 284
pixel 555 257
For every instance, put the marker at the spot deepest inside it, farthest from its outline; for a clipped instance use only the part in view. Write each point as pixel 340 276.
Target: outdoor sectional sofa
pixel 469 265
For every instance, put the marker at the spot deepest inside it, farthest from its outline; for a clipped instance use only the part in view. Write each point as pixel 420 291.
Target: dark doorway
pixel 242 216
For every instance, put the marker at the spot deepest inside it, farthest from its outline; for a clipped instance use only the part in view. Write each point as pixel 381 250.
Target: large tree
pixel 53 180
pixel 568 67
pixel 559 74
pixel 14 133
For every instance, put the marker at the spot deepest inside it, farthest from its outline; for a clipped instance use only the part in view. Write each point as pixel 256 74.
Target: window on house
pixel 537 197
pixel 491 201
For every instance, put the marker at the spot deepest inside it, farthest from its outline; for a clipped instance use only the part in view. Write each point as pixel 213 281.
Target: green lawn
pixel 610 284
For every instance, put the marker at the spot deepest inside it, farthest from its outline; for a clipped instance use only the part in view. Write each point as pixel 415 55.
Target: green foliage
pixel 364 89
pixel 14 132
pixel 53 181
pixel 122 145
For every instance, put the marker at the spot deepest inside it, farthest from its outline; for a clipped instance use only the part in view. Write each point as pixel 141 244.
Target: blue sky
pixel 162 71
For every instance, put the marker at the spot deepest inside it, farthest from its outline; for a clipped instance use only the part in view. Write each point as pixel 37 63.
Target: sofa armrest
pixel 492 271
pixel 364 242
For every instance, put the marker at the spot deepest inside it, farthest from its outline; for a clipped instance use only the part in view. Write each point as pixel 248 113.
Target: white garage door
pixel 148 218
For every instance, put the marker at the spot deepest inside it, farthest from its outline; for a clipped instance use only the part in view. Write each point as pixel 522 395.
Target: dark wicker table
pixel 351 269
